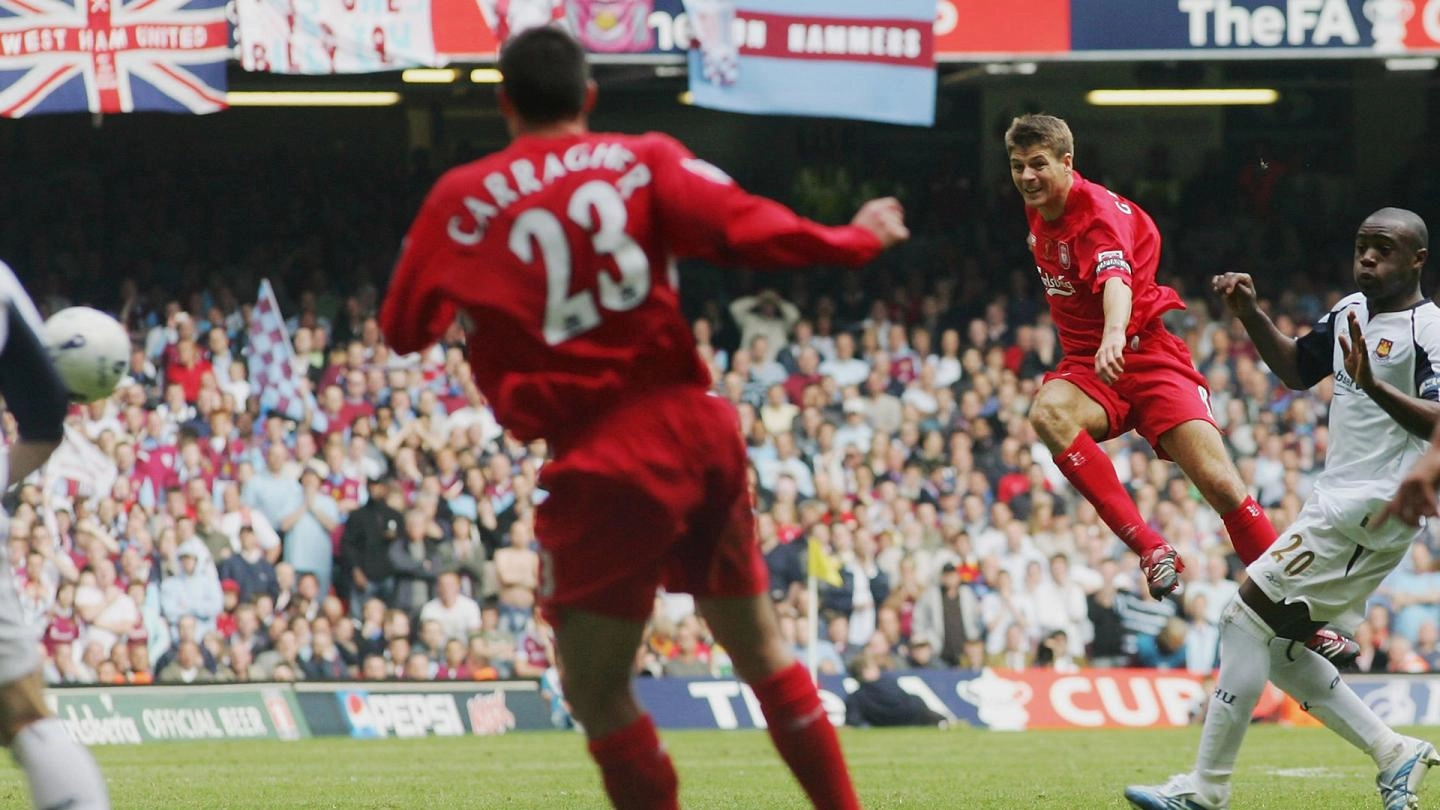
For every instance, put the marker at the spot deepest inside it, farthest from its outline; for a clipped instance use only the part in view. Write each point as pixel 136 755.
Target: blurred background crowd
pixel 389 533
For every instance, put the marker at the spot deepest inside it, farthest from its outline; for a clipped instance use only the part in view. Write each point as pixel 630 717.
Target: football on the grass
pixel 90 350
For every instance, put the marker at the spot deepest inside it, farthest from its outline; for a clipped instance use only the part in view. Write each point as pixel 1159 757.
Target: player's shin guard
pixel 1244 669
pixel 1092 474
pixel 1250 531
pixel 1317 685
pixel 806 740
pixel 637 771
pixel 60 771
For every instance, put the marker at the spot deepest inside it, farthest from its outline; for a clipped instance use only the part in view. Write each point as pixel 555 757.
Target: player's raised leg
pixel 1068 421
pixel 597 655
pixel 746 627
pixel 1196 446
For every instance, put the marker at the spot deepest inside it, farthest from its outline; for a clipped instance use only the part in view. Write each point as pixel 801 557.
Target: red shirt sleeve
pixel 707 216
pixel 1107 249
pixel 416 313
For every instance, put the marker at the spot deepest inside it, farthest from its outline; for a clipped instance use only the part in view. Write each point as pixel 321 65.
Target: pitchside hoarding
pixel 133 715
pixel 992 699
pixel 1035 699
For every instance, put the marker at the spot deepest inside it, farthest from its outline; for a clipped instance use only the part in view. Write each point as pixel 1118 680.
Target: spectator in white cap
pixel 194 590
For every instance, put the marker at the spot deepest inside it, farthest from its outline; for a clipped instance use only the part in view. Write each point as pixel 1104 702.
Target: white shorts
pixel 1316 563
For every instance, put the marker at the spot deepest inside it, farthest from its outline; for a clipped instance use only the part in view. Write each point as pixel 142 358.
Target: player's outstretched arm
pixel 414 315
pixel 1280 353
pixel 1417 495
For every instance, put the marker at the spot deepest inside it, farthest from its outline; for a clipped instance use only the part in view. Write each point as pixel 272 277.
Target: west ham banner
pixel 850 59
pixel 112 56
pixel 334 36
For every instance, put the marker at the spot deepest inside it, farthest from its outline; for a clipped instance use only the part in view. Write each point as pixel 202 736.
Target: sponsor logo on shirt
pixel 1344 382
pixel 1055 285
pixel 1108 259
pixel 1064 255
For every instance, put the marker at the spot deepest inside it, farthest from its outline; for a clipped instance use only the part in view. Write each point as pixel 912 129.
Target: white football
pixel 90 350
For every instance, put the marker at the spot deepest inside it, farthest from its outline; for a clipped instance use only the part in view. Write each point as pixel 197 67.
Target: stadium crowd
pixel 388 532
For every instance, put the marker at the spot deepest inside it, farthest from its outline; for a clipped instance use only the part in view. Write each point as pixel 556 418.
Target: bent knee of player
pixel 1055 413
pixel 22 702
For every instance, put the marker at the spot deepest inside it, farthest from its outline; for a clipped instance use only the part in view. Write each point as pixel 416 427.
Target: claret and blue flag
pixel 112 56
pixel 845 59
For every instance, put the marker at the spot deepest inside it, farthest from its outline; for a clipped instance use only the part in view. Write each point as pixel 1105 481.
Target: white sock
pixel 61 772
pixel 1244 669
pixel 1311 679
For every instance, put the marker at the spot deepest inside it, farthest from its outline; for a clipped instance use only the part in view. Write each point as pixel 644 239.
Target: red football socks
pixel 1250 531
pixel 806 740
pixel 1093 476
pixel 638 773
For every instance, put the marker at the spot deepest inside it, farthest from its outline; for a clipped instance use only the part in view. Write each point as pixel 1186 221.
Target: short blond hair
pixel 1037 129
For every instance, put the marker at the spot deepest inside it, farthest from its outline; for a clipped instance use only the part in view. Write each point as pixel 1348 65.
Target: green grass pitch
pixel 1279 768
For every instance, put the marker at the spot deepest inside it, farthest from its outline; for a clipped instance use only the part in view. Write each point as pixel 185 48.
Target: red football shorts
pixel 1159 389
pixel 653 493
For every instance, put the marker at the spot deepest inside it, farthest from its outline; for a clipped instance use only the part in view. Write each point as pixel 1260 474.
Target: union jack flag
pixel 112 56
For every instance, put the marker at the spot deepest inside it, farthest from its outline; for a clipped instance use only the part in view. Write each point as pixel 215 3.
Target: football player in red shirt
pixel 561 249
pixel 1097 254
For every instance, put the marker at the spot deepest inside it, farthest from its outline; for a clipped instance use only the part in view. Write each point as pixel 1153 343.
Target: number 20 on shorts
pixel 1298 563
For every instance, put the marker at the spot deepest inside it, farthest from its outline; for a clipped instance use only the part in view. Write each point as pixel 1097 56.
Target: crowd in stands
pixel 389 532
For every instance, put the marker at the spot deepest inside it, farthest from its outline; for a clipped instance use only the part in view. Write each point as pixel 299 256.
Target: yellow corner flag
pixel 822 566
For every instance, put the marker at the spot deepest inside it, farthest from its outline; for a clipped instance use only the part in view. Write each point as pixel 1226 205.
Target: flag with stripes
pixel 112 56
pixel 272 360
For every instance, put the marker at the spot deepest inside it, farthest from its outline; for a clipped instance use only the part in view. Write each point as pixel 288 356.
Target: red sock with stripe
pixel 638 772
pixel 1092 474
pixel 806 740
pixel 1250 531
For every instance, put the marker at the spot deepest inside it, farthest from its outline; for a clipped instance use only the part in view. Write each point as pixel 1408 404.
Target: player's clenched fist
pixel 885 218
pixel 1238 290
